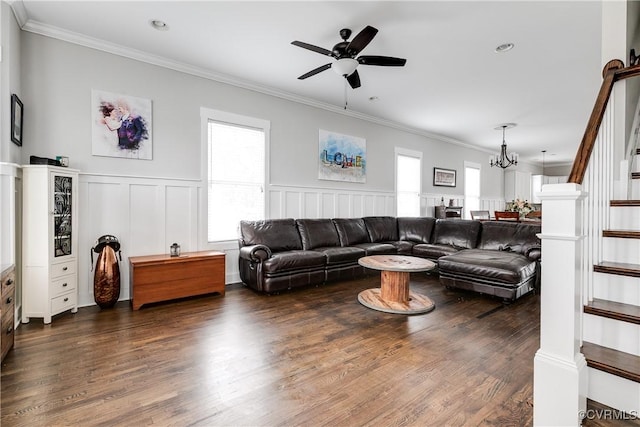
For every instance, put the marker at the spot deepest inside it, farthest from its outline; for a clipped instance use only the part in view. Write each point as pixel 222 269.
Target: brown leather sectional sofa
pixel 496 258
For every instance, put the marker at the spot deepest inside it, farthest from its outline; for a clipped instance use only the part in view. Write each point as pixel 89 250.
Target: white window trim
pixel 472 165
pixel 408 153
pixel 207 115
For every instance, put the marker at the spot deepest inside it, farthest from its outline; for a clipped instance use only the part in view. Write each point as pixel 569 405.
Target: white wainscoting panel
pixel 146 219
pixel 326 206
pixel 492 205
pixel 10 182
pixel 307 202
pixel 145 214
pixel 311 202
pixel 10 225
pixel 181 207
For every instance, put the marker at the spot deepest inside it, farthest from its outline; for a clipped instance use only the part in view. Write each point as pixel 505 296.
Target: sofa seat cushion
pixel 497 267
pixel 293 260
pixel 430 251
pixel 377 248
pixel 340 255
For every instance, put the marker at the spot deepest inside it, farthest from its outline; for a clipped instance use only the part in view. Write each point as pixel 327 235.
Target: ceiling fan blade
pixel 385 61
pixel 361 41
pixel 354 79
pixel 315 71
pixel 308 46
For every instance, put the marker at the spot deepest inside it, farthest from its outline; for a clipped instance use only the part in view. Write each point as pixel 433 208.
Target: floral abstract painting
pixel 121 126
pixel 342 157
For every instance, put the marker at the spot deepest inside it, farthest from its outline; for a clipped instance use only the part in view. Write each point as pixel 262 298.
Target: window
pixel 471 188
pixel 408 182
pixel 236 151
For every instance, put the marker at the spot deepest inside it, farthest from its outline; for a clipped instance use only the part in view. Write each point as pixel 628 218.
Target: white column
pixel 560 372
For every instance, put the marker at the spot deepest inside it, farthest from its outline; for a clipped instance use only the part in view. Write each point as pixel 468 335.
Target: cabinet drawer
pixel 6 305
pixel 63 269
pixel 7 333
pixel 8 282
pixel 63 285
pixel 63 302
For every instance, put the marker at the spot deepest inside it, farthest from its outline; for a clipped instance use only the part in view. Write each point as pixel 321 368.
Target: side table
pixel 393 295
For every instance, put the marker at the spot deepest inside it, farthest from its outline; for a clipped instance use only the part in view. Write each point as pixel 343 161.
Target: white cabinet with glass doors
pixel 49 241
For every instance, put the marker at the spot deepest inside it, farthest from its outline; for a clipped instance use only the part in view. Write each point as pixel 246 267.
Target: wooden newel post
pixel 394 286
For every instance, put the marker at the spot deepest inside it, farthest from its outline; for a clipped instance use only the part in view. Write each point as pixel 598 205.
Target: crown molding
pixel 19 11
pixel 138 55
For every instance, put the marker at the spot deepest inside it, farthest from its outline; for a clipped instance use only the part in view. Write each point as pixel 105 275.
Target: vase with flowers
pixel 523 207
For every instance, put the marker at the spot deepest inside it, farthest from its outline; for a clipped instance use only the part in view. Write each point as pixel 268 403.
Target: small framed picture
pixel 16 119
pixel 444 177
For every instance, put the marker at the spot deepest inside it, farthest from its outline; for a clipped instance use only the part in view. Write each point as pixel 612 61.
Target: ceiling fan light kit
pixel 345 66
pixel 345 55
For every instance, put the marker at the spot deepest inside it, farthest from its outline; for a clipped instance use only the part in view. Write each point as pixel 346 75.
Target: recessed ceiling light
pixel 159 25
pixel 504 47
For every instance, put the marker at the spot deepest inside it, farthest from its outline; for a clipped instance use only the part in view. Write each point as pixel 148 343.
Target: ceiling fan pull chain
pixel 345 93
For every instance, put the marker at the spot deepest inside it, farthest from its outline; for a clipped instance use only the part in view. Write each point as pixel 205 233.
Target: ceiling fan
pixel 345 53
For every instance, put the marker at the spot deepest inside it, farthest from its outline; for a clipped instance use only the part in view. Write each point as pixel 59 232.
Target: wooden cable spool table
pixel 393 295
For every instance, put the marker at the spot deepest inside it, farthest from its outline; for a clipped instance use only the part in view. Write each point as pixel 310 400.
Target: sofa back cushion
pixel 351 231
pixel 416 229
pixel 527 236
pixel 277 234
pixel 497 235
pixel 381 228
pixel 459 233
pixel 317 233
pixel 509 236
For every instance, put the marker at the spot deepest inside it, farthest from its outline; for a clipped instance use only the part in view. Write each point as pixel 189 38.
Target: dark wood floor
pixel 310 357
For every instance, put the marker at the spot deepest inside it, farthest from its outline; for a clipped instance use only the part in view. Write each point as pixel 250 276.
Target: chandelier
pixel 504 159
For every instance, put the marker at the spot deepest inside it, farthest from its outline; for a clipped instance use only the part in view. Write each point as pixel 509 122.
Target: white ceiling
pixel 453 85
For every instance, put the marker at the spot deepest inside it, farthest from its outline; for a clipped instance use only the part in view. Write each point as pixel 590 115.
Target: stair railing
pixel 594 168
pixel 576 213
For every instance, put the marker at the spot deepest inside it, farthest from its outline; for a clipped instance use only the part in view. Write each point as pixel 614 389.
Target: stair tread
pixel 619 268
pixel 625 234
pixel 625 203
pixel 615 362
pixel 614 310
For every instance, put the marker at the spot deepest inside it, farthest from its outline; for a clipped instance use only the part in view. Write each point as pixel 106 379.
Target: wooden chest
pixel 157 278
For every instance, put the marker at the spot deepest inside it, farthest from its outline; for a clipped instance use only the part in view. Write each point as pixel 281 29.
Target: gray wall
pixel 59 77
pixel 557 170
pixel 10 81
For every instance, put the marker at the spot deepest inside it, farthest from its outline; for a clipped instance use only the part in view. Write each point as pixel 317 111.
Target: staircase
pixel 611 315
pixel 611 331
pixel 590 299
